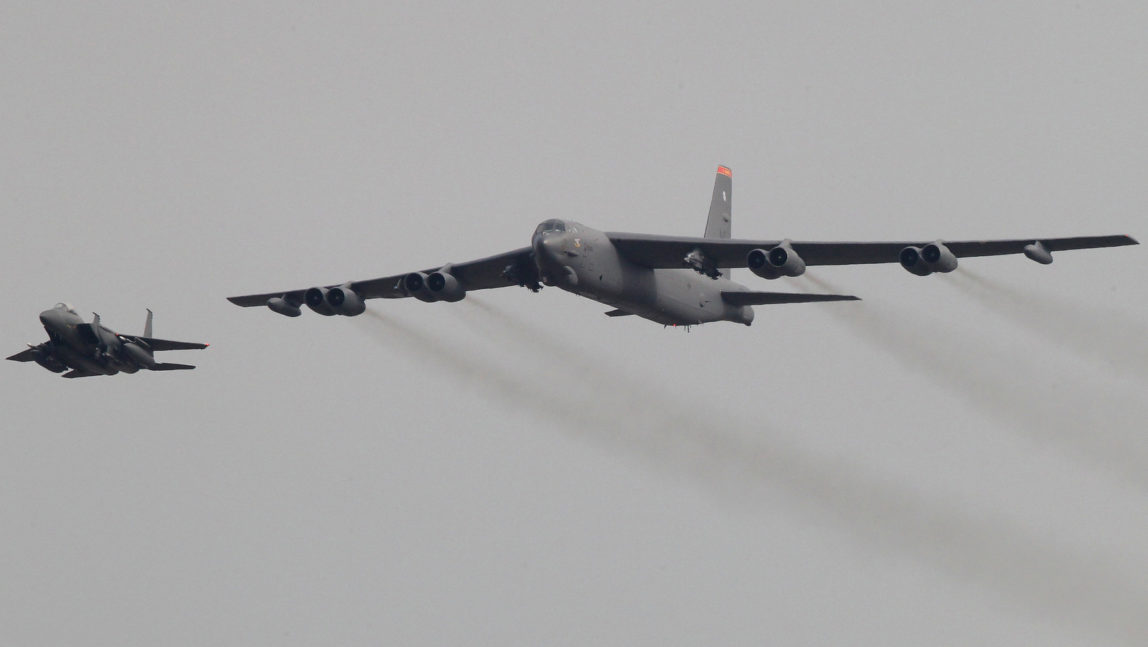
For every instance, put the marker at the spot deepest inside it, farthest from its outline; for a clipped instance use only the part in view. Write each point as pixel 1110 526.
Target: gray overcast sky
pixel 959 459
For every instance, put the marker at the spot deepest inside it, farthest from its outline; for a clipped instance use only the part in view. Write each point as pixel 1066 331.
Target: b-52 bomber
pixel 92 349
pixel 672 280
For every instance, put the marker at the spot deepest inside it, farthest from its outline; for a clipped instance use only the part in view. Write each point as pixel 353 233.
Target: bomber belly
pixel 589 266
pixel 669 297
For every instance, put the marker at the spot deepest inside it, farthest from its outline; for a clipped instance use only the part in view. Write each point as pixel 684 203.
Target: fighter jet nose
pixel 44 316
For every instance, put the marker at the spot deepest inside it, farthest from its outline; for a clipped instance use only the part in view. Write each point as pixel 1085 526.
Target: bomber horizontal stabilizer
pixel 171 367
pixel 772 298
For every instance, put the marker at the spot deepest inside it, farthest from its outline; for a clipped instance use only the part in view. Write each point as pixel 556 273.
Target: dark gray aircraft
pixel 92 349
pixel 671 280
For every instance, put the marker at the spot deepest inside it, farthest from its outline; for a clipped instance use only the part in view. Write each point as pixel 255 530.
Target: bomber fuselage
pixel 582 260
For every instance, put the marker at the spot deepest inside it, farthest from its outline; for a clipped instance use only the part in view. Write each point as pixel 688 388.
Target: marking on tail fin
pixel 719 222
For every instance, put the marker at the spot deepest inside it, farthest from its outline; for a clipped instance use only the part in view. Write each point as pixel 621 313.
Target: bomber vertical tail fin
pixel 147 324
pixel 718 223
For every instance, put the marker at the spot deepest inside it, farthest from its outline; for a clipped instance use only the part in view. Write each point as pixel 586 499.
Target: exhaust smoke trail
pixel 1109 336
pixel 1095 421
pixel 675 437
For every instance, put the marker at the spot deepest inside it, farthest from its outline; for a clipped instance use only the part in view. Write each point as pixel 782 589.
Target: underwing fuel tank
pixel 283 307
pixel 1038 252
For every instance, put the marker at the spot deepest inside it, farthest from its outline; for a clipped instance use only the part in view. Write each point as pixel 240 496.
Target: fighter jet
pixel 671 280
pixel 92 349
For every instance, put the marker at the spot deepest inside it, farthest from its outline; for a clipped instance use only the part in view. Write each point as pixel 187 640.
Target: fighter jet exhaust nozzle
pixel 345 301
pixel 776 263
pixel 283 307
pixel 316 299
pixel 415 285
pixel 923 261
pixel 444 287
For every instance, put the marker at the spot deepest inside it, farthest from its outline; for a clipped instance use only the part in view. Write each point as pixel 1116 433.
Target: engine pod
pixel 911 260
pixel 758 262
pixel 785 260
pixel 444 286
pixel 316 299
pixel 345 301
pixel 938 257
pixel 415 285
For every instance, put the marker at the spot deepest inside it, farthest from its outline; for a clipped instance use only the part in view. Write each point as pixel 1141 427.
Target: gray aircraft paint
pixel 90 349
pixel 641 274
pixel 583 261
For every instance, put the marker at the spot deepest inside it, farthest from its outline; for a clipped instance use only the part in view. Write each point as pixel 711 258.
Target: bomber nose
pixel 547 244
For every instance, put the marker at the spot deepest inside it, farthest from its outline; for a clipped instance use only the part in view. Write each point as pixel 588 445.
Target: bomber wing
pixel 670 251
pixel 498 271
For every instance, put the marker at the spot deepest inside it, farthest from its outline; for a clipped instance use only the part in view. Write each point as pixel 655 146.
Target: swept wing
pixel 669 251
pixel 480 274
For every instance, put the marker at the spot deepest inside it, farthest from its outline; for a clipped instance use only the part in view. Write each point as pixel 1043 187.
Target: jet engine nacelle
pixel 777 262
pixel 444 287
pixel 415 285
pixel 283 307
pixel 345 301
pixel 316 299
pixel 923 261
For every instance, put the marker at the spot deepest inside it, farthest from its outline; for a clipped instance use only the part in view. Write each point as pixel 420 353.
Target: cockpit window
pixel 66 306
pixel 552 225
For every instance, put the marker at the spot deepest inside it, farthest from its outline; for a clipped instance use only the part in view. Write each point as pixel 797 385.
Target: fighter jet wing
pixel 480 274
pixel 669 251
pixel 78 373
pixel 26 355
